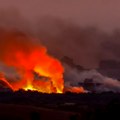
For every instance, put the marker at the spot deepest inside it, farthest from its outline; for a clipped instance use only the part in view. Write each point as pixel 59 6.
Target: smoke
pixel 87 46
pixel 11 41
pixel 68 39
pixel 12 19
pixel 73 77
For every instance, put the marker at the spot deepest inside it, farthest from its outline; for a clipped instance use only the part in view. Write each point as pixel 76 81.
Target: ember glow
pixel 28 58
pixel 75 90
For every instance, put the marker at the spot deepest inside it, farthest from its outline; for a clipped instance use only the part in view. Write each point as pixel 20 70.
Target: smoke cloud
pixel 73 77
pixel 87 46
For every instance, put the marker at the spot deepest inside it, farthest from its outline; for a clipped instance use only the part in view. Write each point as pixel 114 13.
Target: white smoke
pixel 73 77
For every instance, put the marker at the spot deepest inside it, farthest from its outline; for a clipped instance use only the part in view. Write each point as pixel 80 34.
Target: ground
pixel 30 105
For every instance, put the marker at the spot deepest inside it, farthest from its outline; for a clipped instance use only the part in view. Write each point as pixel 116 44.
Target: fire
pixel 30 58
pixel 75 90
pixel 40 62
pixel 2 78
pixel 29 87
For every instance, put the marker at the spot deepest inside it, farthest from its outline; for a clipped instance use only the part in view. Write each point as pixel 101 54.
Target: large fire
pixel 29 58
pixel 40 62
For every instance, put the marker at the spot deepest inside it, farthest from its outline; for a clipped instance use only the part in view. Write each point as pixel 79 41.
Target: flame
pixel 2 78
pixel 40 62
pixel 76 90
pixel 29 57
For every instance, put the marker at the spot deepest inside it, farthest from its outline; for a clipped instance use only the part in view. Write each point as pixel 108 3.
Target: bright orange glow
pixel 40 62
pixel 76 90
pixel 30 58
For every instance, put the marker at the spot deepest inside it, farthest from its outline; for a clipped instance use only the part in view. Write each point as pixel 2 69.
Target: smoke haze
pixel 87 46
pixel 73 77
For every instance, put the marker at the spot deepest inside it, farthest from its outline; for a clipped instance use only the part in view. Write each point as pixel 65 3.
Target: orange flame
pixel 75 90
pixel 27 57
pixel 43 64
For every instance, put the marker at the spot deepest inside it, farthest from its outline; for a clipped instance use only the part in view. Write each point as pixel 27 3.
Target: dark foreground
pixel 29 105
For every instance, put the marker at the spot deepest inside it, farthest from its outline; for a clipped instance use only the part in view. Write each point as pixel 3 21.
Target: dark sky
pixel 102 13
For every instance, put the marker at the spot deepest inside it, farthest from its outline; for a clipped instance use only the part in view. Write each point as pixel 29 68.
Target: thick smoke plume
pixel 87 46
